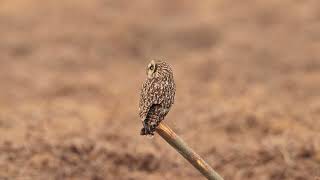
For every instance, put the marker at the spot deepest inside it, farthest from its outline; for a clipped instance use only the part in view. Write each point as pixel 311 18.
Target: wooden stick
pixel 175 141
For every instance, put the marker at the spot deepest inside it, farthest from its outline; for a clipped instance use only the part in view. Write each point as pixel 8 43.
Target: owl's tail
pixel 152 120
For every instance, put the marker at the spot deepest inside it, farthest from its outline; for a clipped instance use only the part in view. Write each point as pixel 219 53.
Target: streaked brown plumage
pixel 157 96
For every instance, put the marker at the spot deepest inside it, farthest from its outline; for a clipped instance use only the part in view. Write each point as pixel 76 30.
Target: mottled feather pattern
pixel 157 96
pixel 153 119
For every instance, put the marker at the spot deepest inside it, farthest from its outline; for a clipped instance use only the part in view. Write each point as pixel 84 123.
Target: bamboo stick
pixel 175 141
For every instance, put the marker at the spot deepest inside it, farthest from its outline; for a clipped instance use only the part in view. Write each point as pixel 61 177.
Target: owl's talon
pixel 153 127
pixel 148 129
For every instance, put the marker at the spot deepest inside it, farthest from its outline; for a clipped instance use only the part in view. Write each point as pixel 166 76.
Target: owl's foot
pixel 147 129
pixel 144 131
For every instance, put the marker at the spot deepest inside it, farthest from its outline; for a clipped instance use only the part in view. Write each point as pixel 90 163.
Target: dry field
pixel 247 75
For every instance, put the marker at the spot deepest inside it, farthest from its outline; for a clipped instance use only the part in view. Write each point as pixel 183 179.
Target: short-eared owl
pixel 157 96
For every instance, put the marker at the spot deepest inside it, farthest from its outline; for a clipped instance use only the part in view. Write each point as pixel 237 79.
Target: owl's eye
pixel 151 68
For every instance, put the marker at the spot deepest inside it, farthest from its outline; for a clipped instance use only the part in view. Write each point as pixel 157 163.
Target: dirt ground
pixel 247 75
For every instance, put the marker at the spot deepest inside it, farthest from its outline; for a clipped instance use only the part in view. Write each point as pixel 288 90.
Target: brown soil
pixel 247 75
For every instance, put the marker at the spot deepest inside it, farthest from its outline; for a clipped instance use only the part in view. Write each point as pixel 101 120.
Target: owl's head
pixel 156 69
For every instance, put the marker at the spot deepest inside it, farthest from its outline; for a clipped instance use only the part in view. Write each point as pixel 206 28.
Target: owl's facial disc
pixel 151 69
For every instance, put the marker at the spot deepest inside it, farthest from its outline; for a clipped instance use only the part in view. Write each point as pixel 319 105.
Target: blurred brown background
pixel 247 75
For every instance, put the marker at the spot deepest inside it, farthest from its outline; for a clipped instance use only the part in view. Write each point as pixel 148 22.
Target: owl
pixel 157 96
